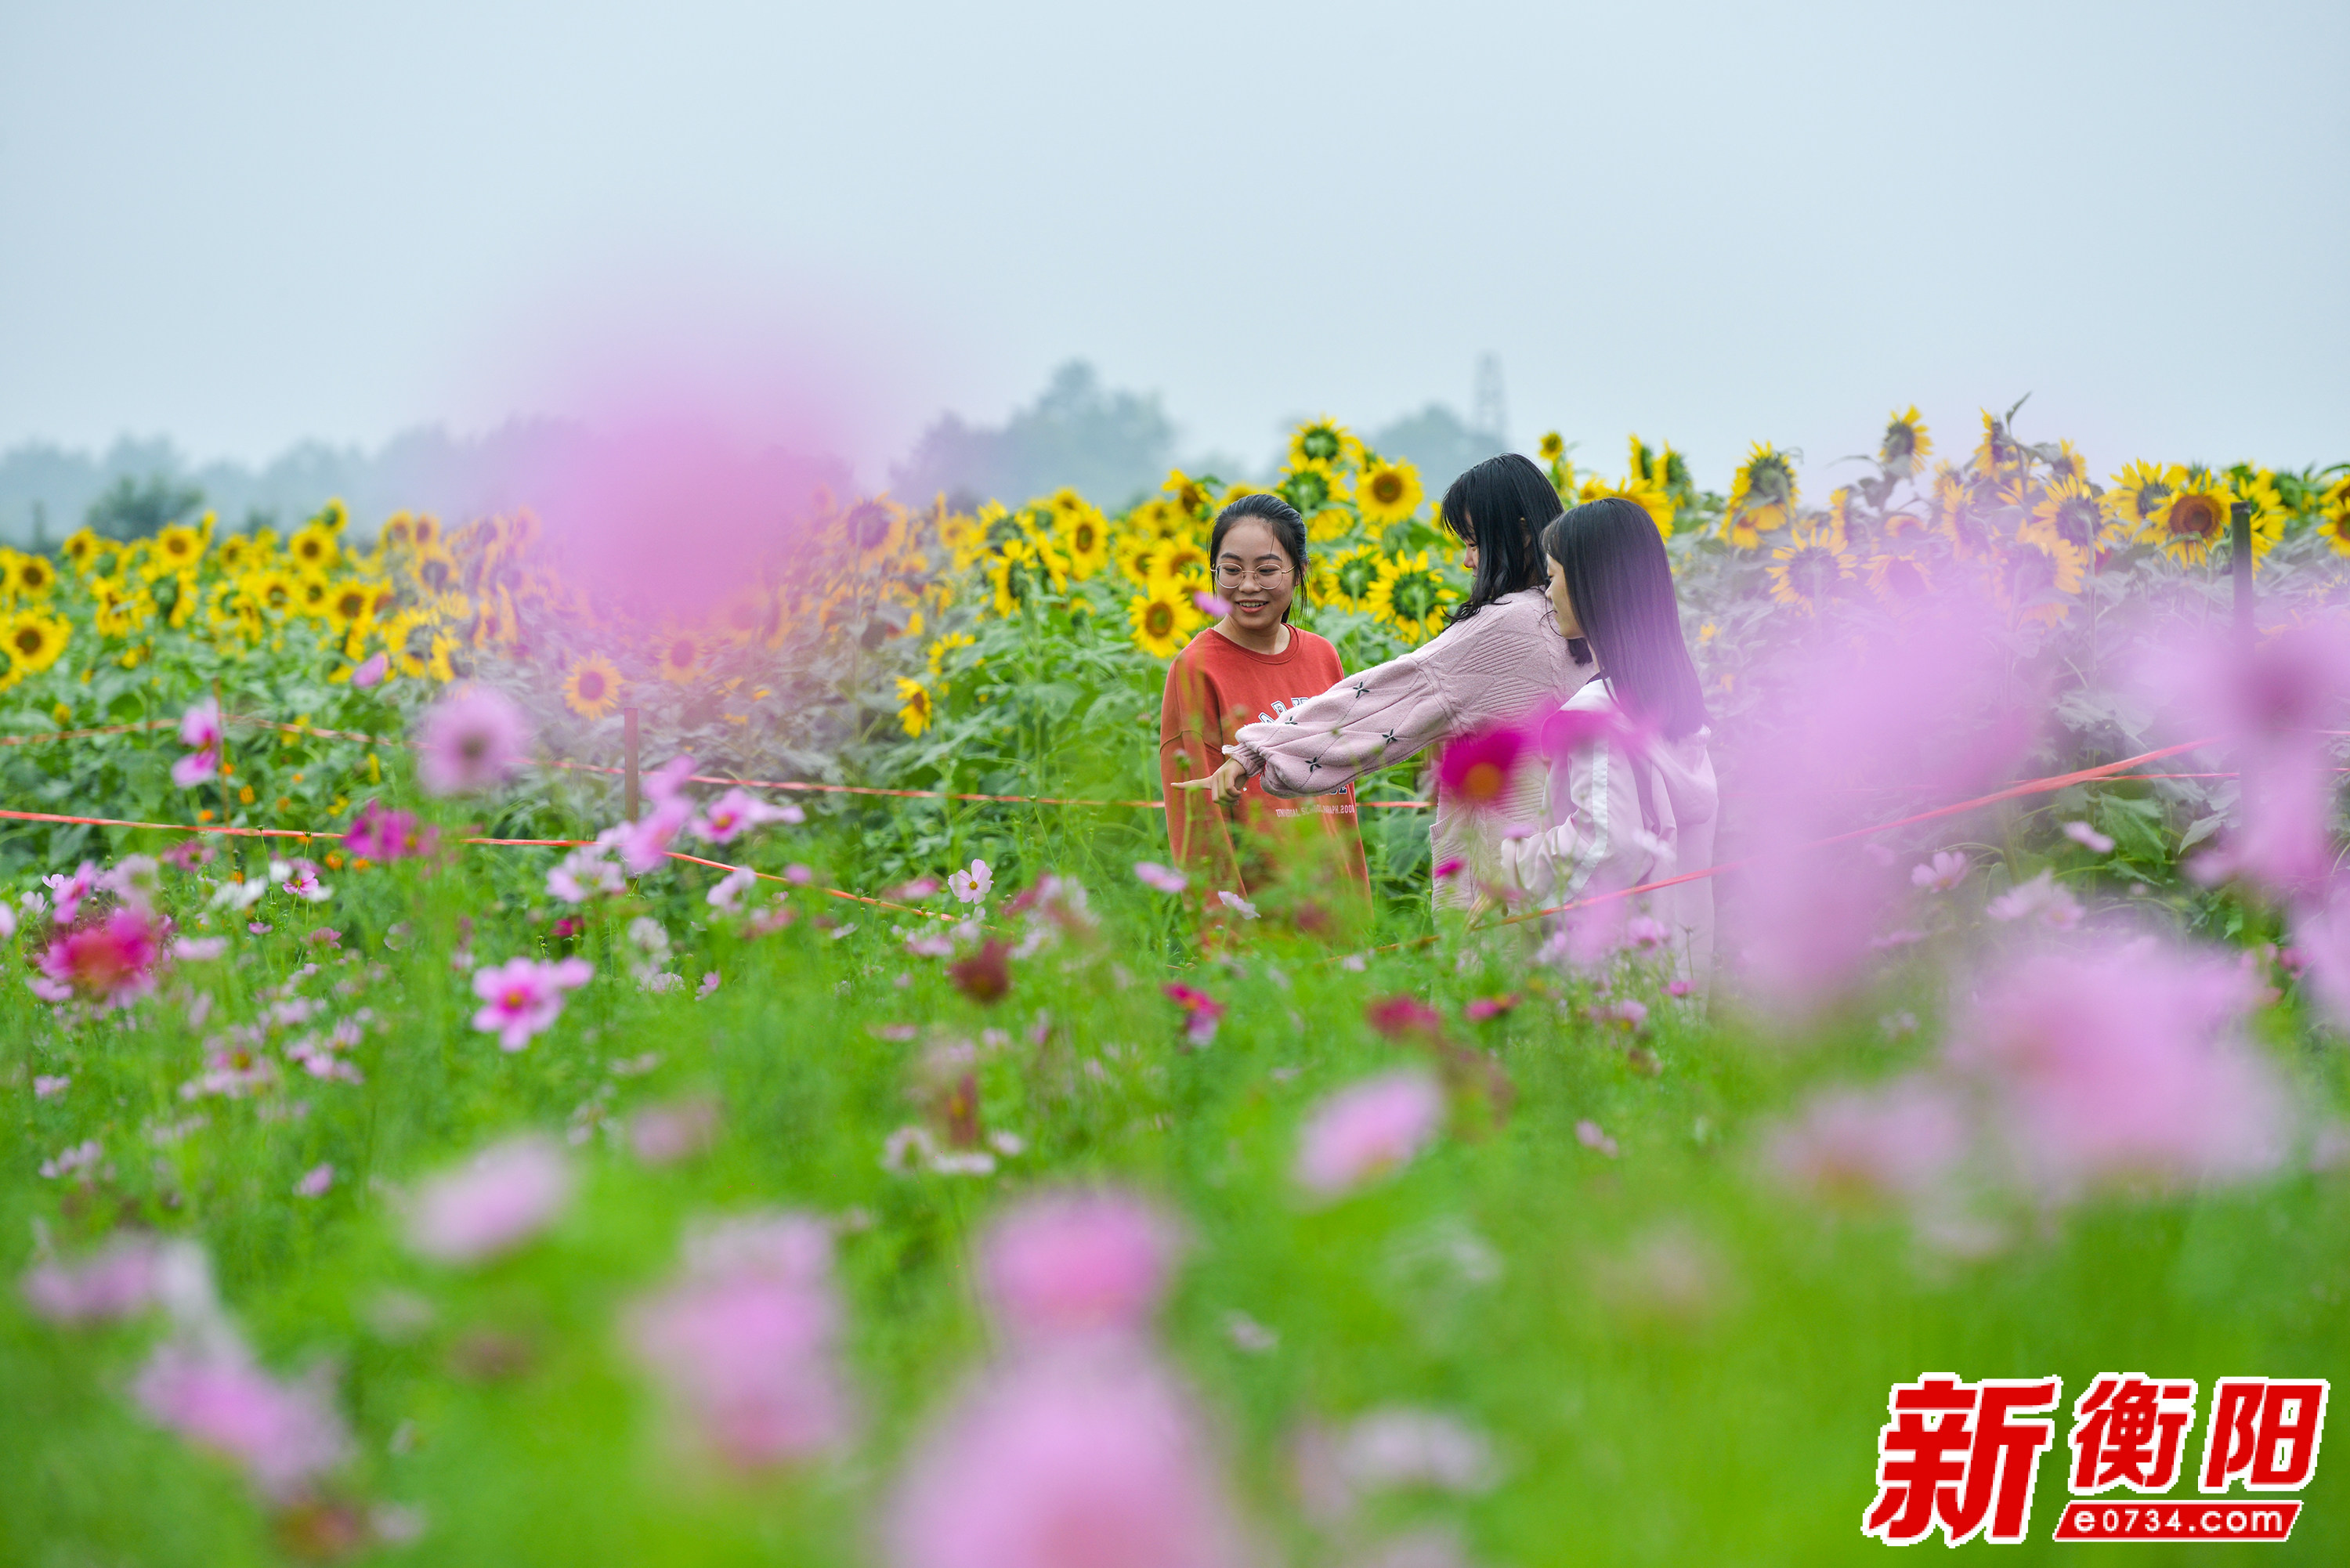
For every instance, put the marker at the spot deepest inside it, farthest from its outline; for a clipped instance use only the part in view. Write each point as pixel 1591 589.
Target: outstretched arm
pixel 1368 720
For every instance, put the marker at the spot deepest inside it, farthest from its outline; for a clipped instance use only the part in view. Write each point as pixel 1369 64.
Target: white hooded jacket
pixel 1607 833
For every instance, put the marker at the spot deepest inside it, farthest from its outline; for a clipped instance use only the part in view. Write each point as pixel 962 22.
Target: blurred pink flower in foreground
pixel 473 739
pixel 644 844
pixel 1202 1013
pixel 2124 1065
pixel 1478 769
pixel 282 1435
pixel 2271 706
pixel 377 833
pixel 744 1341
pixel 2089 839
pixel 127 1275
pixel 2322 948
pixel 491 1204
pixel 1945 871
pixel 736 812
pixel 2043 900
pixel 1899 1141
pixel 371 672
pixel 1066 1265
pixel 522 997
pixel 668 781
pixel 111 960
pixel 199 732
pixel 1067 1463
pixel 1161 878
pixel 1368 1129
pixel 665 1134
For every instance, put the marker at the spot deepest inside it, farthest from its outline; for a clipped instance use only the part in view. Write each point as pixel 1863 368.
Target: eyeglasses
pixel 1232 576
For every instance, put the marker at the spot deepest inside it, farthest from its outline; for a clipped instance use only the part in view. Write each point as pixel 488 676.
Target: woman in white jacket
pixel 1631 791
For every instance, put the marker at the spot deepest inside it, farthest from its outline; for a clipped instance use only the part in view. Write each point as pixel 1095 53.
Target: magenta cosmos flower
pixel 473 739
pixel 491 1204
pixel 377 833
pixel 1067 1264
pixel 1368 1129
pixel 744 1343
pixel 1067 1463
pixel 524 997
pixel 111 960
pixel 736 812
pixel 1477 770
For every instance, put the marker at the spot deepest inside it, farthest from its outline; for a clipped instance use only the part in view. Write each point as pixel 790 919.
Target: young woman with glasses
pixel 1300 856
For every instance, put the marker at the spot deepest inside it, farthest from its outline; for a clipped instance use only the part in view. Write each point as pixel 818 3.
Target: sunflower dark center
pixel 1159 618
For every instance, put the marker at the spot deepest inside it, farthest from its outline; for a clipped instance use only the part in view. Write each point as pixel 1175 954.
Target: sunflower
pixel 2068 463
pixel 913 706
pixel 1159 518
pixel 33 641
pixel 1024 568
pixel 681 655
pixel 2194 518
pixel 1409 596
pixel 965 538
pixel 1324 444
pixel 1132 554
pixel 1957 517
pixel 875 530
pixel 314 549
pixel 1183 560
pixel 944 649
pixel 1351 578
pixel 1649 497
pixel 423 531
pixel 1312 488
pixel 2334 515
pixel 270 591
pixel 35 576
pixel 1552 446
pixel 313 595
pixel 433 568
pixel 1164 618
pixel 2040 575
pixel 83 549
pixel 238 554
pixel 1806 571
pixel 1083 536
pixel 397 532
pixel 1907 444
pixel 1998 449
pixel 1192 496
pixel 2257 488
pixel 1899 579
pixel 1388 491
pixel 747 616
pixel 178 547
pixel 593 688
pixel 1330 522
pixel 2071 510
pixel 1761 498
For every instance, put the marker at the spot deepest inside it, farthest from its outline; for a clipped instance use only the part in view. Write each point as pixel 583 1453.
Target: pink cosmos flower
pixel 1202 1013
pixel 524 997
pixel 1066 1265
pixel 1067 1463
pixel 1368 1129
pixel 1478 769
pixel 2271 705
pixel 744 1341
pixel 315 1181
pixel 728 891
pixel 2088 838
pixel 200 766
pixel 45 1085
pixel 498 1201
pixel 201 726
pixel 130 1272
pixel 667 782
pixel 67 889
pixel 666 1134
pixel 1480 1009
pixel 2043 901
pixel 1161 878
pixel 1446 870
pixel 971 887
pixel 644 844
pixel 111 960
pixel 371 672
pixel 377 833
pixel 2126 1065
pixel 2321 951
pixel 302 881
pixel 1237 905
pixel 1945 871
pixel 473 740
pixel 1210 603
pixel 736 812
pixel 282 1435
pixel 1901 1141
pixel 198 949
pixel 1402 1017
pixel 588 872
pixel 1590 1134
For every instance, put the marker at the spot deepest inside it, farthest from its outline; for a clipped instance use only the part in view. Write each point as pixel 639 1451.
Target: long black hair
pixel 1500 506
pixel 1281 519
pixel 1620 584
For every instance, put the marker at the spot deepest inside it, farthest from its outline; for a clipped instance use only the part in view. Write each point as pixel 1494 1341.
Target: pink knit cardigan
pixel 1502 663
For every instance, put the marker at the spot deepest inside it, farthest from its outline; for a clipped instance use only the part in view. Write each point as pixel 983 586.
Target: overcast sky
pixel 242 225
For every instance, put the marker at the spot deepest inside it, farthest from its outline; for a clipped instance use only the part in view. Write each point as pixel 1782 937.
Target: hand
pixel 1224 784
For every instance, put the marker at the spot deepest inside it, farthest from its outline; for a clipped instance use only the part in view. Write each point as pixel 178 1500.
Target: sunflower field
pixel 433 1162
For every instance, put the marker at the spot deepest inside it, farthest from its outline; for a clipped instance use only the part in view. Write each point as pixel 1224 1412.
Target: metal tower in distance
pixel 1488 410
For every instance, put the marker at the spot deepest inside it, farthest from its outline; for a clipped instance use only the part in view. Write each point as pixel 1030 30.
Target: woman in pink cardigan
pixel 1502 660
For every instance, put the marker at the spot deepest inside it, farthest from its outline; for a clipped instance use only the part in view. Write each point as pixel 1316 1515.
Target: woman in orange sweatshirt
pixel 1251 666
